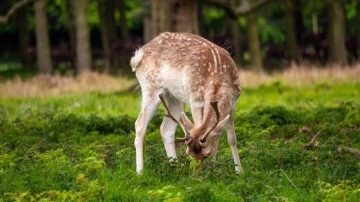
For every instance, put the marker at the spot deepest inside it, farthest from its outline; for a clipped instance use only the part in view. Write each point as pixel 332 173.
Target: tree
pixel 336 32
pixel 24 35
pixel 159 17
pixel 185 16
pixel 147 20
pixel 290 25
pixel 108 34
pixel 124 32
pixel 71 23
pixel 235 34
pixel 176 16
pixel 42 38
pixel 358 29
pixel 14 9
pixel 235 11
pixel 254 42
pixel 248 9
pixel 83 51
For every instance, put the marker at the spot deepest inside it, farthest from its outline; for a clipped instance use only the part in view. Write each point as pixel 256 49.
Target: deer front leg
pixel 168 127
pixel 148 109
pixel 197 114
pixel 230 131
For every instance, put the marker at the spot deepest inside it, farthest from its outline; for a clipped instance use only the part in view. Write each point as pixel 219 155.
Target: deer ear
pixel 187 123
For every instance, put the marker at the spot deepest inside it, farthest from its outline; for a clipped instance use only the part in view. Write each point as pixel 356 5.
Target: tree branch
pixel 354 151
pixel 313 143
pixel 243 9
pixel 16 7
pixel 222 5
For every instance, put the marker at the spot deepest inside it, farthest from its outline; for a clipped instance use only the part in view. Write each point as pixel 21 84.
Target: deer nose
pixel 208 154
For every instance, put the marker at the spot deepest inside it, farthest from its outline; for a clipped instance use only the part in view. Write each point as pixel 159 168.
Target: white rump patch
pixel 136 59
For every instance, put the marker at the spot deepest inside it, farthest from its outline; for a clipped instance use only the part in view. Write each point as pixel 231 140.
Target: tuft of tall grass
pixel 55 86
pixel 299 75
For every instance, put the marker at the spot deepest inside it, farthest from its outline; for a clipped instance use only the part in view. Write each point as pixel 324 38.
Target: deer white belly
pixel 174 81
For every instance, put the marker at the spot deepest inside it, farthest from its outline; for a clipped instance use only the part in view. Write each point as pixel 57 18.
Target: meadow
pixel 71 139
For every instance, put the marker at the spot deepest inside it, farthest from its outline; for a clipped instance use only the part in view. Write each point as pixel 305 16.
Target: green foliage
pixel 269 32
pixel 47 128
pixel 213 19
pixel 81 149
pixel 165 194
pixel 344 191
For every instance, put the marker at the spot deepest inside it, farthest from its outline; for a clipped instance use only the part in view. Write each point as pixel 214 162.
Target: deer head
pixel 201 142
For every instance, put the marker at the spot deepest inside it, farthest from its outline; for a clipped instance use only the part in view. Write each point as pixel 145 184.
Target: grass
pixel 74 141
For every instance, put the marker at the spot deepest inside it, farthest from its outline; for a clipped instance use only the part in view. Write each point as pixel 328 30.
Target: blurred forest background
pixel 49 36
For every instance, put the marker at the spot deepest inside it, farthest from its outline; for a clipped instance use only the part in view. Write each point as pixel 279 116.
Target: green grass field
pixel 79 147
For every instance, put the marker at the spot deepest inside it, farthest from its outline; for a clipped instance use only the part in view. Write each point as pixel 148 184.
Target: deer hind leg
pixel 231 136
pixel 150 101
pixel 168 126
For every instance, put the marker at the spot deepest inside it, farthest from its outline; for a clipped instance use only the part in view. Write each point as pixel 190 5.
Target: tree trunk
pixel 108 33
pixel 124 32
pixel 235 35
pixel 110 8
pixel 147 21
pixel 235 32
pixel 336 32
pixel 358 30
pixel 185 16
pixel 175 16
pixel 105 34
pixel 298 18
pixel 292 43
pixel 42 38
pixel 159 17
pixel 24 36
pixel 71 24
pixel 83 51
pixel 254 42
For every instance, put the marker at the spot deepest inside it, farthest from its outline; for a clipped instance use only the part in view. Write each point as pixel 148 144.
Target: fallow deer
pixel 178 68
